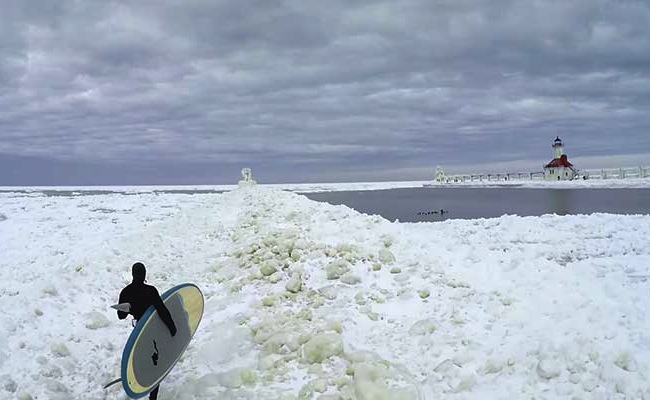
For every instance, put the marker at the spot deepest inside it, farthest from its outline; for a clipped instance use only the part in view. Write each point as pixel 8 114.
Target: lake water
pixel 425 204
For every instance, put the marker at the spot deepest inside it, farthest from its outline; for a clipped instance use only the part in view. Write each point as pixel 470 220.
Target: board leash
pixel 111 383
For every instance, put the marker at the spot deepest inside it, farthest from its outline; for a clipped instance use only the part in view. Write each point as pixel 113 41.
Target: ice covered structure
pixel 248 180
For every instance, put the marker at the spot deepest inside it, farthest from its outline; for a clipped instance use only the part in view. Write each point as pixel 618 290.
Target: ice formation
pixel 312 301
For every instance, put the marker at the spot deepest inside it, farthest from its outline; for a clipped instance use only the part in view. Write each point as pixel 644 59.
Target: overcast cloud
pixel 189 91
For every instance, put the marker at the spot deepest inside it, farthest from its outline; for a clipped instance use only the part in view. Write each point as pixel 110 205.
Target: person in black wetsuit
pixel 141 296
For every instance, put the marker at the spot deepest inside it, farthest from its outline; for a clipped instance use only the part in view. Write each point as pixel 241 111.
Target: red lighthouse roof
pixel 559 162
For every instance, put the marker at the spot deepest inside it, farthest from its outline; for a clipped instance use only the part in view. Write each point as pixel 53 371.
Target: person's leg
pixel 154 393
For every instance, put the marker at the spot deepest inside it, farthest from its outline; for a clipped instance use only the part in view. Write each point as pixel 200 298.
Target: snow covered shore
pixel 291 187
pixel 306 300
pixel 628 183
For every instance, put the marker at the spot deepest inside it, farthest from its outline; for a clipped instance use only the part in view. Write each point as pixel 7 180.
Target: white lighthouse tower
pixel 558 146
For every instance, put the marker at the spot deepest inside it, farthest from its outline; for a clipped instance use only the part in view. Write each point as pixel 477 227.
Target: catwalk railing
pixel 602 173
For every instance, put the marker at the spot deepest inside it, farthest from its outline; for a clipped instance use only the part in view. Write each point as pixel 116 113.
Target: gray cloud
pixel 308 90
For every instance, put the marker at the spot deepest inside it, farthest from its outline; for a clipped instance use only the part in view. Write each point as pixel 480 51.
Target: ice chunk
pixel 234 378
pixel 626 362
pixel 268 361
pixel 97 320
pixel 423 327
pixel 361 356
pixel 295 283
pixel 316 385
pixel 575 378
pixel 55 386
pixel 305 314
pixel 8 384
pixel 387 240
pixel 465 381
pixel 370 371
pixel 494 365
pixel 350 279
pixel 319 385
pixel 248 376
pixel 329 397
pixel 281 343
pixel 457 284
pixel 295 255
pixel 424 293
pixel 315 369
pixel 52 371
pixel 268 301
pixel 445 368
pixel 304 338
pixel 463 357
pixel 334 325
pixel 50 290
pixel 306 392
pixel 548 368
pixel 395 270
pixel 59 349
pixel 369 384
pixel 590 384
pixel 343 381
pixel 386 256
pixel 226 274
pixel 268 268
pixel 329 292
pixel 367 389
pixel 322 347
pixel 336 269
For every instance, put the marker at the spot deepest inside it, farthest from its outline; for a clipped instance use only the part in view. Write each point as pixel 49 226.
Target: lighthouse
pixel 559 169
pixel 558 146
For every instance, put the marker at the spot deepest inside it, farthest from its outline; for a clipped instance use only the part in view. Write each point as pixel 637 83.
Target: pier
pixel 602 173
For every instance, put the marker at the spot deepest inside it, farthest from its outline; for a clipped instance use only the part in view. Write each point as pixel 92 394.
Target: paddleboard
pixel 151 352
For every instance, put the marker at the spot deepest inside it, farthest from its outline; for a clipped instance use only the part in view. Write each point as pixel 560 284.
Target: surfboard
pixel 151 352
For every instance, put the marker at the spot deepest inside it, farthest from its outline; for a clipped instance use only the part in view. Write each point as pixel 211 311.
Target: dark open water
pixel 424 204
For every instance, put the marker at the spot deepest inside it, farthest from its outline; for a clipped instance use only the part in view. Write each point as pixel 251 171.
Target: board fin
pixel 111 383
pixel 124 307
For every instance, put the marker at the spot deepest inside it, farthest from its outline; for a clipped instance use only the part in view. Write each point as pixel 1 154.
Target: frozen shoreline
pixel 499 308
pixel 632 183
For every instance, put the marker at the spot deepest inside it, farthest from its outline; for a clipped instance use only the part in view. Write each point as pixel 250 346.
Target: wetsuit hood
pixel 139 272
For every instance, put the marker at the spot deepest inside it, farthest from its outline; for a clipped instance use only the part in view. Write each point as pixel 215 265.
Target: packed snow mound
pixel 306 300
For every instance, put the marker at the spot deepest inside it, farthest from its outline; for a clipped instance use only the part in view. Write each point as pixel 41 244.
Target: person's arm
pixel 123 299
pixel 164 312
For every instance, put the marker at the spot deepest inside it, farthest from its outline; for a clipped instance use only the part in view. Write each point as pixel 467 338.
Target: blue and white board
pixel 151 352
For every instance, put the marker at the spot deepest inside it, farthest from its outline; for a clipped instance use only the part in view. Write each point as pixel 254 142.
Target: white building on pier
pixel 559 169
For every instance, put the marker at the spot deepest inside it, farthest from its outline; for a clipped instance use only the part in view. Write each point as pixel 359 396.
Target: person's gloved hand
pixel 173 331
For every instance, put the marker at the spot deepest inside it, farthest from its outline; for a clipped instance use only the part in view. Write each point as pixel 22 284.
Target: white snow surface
pixel 292 187
pixel 627 183
pixel 550 307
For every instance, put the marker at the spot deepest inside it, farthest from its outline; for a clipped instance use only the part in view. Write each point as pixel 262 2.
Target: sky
pixel 190 92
